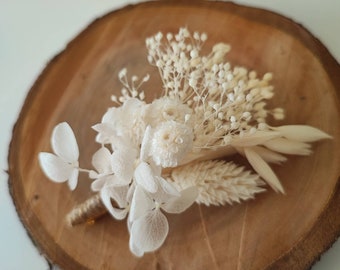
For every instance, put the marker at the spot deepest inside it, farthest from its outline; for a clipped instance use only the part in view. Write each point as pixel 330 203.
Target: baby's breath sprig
pixel 131 89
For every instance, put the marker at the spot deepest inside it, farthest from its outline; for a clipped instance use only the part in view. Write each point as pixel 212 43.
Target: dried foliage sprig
pixel 218 182
pixel 161 156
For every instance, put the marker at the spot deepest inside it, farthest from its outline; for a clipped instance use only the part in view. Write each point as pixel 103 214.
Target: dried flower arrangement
pixel 164 156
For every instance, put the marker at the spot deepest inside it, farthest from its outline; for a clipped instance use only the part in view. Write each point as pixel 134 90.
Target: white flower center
pixel 171 141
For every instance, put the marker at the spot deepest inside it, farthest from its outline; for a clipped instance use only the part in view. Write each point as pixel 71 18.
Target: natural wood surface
pixel 272 232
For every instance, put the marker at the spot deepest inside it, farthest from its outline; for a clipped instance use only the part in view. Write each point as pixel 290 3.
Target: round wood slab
pixel 271 232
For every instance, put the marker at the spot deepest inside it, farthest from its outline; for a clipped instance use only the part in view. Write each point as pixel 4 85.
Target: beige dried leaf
pixel 269 155
pixel 302 133
pixel 263 169
pixel 256 138
pixel 286 146
pixel 218 182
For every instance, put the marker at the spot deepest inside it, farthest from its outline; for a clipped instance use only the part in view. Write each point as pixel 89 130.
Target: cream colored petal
pixel 64 142
pixel 99 183
pixel 141 204
pixel 73 179
pixel 101 160
pixel 149 232
pixel 118 194
pixel 146 144
pixel 54 167
pixel 182 203
pixel 145 177
pixel 117 213
pixel 134 249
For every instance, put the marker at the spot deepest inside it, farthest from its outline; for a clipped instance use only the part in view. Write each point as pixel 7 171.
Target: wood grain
pixel 271 232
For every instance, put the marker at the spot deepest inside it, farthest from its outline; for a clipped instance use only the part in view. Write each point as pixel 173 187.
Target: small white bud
pixel 159 36
pixel 146 78
pixel 204 37
pixel 122 73
pixel 268 76
pixel 193 53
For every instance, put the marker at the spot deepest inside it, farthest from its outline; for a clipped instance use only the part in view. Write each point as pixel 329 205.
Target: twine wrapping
pixel 88 211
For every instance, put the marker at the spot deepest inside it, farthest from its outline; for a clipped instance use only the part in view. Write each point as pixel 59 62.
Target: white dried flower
pixel 125 121
pixel 63 165
pixel 171 141
pixel 122 195
pixel 148 225
pixel 167 109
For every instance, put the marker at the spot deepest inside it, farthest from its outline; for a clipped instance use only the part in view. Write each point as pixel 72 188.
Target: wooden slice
pixel 271 232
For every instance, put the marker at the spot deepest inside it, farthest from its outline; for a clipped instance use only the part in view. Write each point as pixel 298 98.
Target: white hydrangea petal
pixel 146 144
pixel 118 214
pixel 101 160
pixel 73 179
pixel 93 174
pixel 302 133
pixel 106 199
pixel 110 115
pixel 289 147
pixel 64 143
pixel 263 169
pixel 105 132
pixel 54 167
pixel 122 164
pixel 141 204
pixel 98 184
pixel 165 192
pixel 256 138
pixel 155 168
pixel 168 188
pixel 126 118
pixel 134 249
pixel 119 194
pixel 129 224
pixel 149 232
pixel 180 204
pixel 130 193
pixel 145 177
pixel 123 144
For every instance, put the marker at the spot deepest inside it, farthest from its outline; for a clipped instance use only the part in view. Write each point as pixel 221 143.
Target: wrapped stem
pixel 88 211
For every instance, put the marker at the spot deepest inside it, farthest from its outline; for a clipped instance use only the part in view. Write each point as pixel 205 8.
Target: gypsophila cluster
pixel 162 156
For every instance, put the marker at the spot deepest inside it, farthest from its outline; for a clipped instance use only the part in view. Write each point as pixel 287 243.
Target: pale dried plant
pixel 218 182
pixel 162 156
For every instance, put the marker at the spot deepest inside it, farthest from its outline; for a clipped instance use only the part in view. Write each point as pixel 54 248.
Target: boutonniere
pixel 161 157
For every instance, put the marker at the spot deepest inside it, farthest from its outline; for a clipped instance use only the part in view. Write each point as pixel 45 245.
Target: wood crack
pixel 240 251
pixel 207 239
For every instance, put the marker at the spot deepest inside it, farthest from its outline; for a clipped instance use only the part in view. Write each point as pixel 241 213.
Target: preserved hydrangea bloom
pixel 122 195
pixel 124 121
pixel 148 225
pixel 63 165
